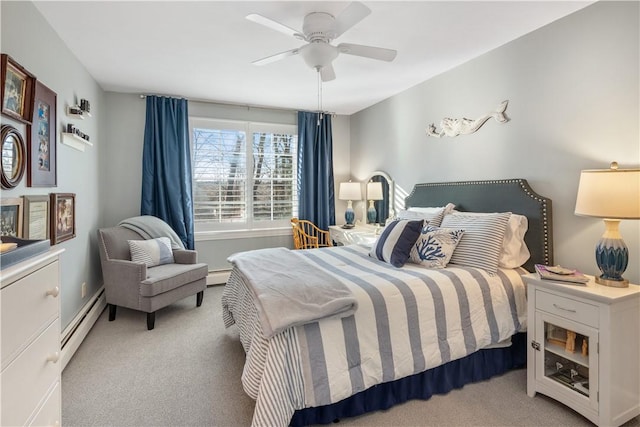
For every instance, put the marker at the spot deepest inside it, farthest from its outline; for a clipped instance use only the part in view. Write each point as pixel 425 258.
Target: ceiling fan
pixel 318 30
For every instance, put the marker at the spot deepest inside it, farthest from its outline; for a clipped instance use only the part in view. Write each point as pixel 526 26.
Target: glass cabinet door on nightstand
pixel 568 358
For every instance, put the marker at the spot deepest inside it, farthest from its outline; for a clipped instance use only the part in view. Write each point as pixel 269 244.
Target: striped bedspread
pixel 408 320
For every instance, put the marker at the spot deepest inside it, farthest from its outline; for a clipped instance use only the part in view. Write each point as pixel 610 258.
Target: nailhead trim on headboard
pixel 427 194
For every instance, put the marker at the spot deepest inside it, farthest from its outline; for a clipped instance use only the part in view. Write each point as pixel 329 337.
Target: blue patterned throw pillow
pixel 435 246
pixel 151 252
pixel 394 244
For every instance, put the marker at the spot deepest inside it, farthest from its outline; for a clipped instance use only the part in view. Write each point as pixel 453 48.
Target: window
pixel 244 174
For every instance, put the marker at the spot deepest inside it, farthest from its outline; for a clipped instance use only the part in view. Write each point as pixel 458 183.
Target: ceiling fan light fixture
pixel 318 55
pixel 319 29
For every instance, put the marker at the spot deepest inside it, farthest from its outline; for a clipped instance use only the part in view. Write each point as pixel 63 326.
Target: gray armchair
pixel 136 286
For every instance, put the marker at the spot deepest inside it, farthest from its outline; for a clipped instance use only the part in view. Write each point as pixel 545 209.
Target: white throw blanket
pixel 290 291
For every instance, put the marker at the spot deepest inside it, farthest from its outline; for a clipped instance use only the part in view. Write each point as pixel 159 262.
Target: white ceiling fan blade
pixel 270 23
pixel 350 16
pixel 276 57
pixel 368 51
pixel 327 73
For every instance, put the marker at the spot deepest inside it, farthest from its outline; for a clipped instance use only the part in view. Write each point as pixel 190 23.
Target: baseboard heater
pixel 218 277
pixel 76 332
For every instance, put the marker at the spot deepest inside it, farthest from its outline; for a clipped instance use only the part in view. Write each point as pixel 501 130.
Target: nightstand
pixel 584 347
pixel 360 234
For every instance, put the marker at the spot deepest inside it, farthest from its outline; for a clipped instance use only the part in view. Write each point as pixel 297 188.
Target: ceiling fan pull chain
pixel 319 97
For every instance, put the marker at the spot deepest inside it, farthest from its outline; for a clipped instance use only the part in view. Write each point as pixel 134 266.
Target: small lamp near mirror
pixel 611 194
pixel 385 206
pixel 349 191
pixel 374 192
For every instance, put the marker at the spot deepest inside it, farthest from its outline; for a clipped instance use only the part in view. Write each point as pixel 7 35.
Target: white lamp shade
pixel 350 191
pixel 609 193
pixel 374 191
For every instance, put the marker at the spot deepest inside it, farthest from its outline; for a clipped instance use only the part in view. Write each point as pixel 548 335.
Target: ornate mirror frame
pixel 390 196
pixel 14 157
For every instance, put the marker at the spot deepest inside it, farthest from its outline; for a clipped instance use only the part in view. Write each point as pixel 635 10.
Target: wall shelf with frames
pixel 77 113
pixel 74 141
pixel 74 137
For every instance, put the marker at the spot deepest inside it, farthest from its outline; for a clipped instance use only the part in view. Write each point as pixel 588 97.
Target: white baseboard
pixel 76 332
pixel 218 277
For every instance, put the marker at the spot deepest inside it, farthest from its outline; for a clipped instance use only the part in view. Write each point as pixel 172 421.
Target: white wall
pixel 30 41
pixel 573 92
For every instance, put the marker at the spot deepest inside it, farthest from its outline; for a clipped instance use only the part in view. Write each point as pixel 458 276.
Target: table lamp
pixel 374 192
pixel 612 194
pixel 350 191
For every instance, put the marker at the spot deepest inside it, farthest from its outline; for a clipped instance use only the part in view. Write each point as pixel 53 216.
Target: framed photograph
pixel 63 217
pixel 11 217
pixel 18 87
pixel 36 217
pixel 41 167
pixel 556 335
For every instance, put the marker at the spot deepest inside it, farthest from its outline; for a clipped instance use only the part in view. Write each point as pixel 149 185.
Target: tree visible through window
pixel 239 184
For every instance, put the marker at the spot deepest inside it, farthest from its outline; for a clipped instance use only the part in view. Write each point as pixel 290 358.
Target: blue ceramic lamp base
pixel 612 256
pixel 349 214
pixel 372 215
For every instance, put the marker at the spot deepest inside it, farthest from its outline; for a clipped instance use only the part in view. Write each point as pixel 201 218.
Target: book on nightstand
pixel 560 274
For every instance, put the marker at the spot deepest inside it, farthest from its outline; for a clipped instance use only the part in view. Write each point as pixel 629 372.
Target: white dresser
pixel 30 347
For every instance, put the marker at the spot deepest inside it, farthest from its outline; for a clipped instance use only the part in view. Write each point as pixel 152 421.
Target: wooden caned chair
pixel 306 235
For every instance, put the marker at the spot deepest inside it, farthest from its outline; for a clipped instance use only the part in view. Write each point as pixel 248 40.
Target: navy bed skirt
pixel 478 366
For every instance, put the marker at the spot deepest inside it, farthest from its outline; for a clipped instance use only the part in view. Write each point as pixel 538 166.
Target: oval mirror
pixel 379 198
pixel 13 156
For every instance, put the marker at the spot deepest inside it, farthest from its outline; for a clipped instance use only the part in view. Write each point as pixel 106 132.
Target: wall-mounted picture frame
pixel 36 217
pixel 11 217
pixel 63 217
pixel 42 163
pixel 17 90
pixel 13 156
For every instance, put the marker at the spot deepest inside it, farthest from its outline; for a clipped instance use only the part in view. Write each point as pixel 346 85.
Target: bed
pixel 395 333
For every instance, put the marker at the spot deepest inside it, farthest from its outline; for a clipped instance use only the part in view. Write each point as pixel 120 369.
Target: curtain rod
pixel 230 104
pixel 247 106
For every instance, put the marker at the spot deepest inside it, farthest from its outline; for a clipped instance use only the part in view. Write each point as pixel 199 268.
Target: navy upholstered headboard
pixel 504 195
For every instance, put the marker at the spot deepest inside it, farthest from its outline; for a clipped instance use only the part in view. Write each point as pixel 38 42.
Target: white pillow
pixel 426 210
pixel 514 249
pixel 432 215
pixel 446 209
pixel 481 244
pixel 151 252
pixel 435 246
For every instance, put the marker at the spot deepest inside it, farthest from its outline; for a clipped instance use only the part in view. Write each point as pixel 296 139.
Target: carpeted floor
pixel 186 372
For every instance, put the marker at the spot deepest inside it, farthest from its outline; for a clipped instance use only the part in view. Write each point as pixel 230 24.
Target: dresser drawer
pixel 26 380
pixel 27 309
pixel 567 308
pixel 49 414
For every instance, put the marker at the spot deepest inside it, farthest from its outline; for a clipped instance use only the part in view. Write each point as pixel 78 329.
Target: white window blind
pixel 244 174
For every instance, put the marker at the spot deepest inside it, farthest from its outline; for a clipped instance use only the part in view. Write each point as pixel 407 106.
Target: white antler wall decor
pixel 455 127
